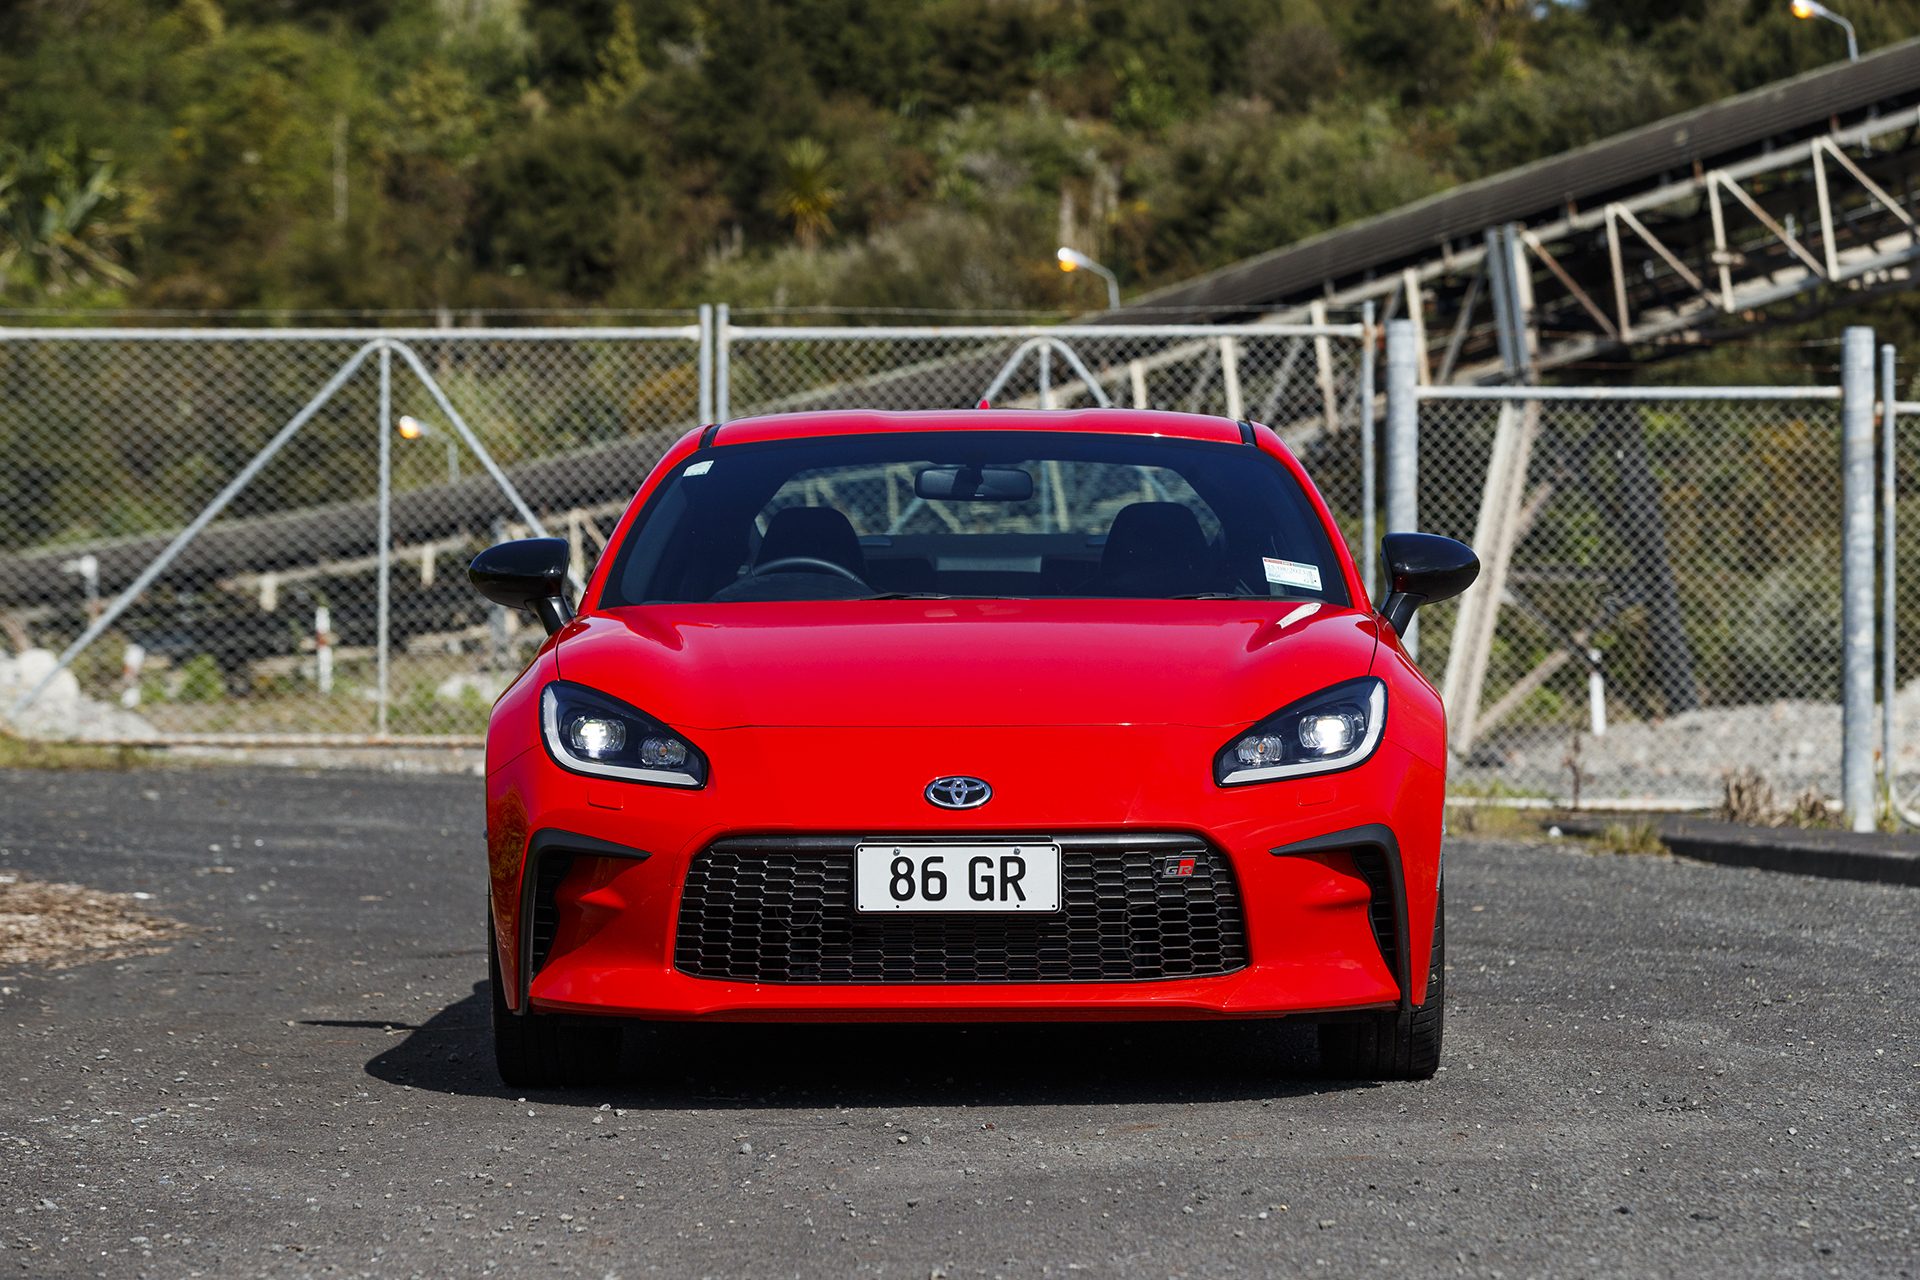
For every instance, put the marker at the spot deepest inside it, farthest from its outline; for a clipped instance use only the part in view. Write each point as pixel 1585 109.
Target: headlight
pixel 588 732
pixel 1336 728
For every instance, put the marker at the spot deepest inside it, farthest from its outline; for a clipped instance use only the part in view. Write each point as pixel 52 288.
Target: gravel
pixel 1653 1067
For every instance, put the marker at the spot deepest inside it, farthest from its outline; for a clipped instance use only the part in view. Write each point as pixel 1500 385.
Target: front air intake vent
pixel 781 909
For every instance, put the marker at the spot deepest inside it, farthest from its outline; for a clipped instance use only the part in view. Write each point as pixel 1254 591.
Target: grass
pixel 1629 838
pixel 1496 822
pixel 1493 789
pixel 24 753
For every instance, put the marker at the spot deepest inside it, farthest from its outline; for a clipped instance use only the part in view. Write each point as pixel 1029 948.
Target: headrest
pixel 1155 548
pixel 820 532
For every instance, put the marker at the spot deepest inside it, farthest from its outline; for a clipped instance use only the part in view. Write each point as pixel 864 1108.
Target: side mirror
pixel 1423 568
pixel 529 574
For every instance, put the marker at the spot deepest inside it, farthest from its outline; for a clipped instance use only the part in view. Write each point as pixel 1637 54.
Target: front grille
pixel 782 910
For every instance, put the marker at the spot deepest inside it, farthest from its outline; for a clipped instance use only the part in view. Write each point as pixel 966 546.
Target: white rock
pixel 61 711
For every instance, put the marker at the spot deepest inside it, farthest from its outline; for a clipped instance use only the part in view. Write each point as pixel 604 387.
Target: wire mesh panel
pixel 267 620
pixel 1669 609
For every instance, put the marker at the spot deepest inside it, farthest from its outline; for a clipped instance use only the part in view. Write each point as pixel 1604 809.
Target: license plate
pixel 957 877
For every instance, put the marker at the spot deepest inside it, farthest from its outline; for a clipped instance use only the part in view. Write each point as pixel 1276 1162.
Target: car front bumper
pixel 1312 944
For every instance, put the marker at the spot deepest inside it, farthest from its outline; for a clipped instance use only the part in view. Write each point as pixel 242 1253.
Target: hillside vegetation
pixel 495 155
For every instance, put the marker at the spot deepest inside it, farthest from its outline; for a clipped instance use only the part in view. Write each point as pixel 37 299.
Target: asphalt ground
pixel 1653 1067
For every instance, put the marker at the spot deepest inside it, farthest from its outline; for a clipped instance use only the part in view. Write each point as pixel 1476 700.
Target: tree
pixel 806 196
pixel 66 223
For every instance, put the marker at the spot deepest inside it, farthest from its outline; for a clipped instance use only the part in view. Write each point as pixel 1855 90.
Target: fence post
pixel 384 624
pixel 705 375
pixel 1889 562
pixel 1403 442
pixel 1856 577
pixel 1369 460
pixel 722 364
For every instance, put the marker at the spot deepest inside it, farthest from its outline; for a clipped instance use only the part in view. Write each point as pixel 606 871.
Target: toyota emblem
pixel 958 793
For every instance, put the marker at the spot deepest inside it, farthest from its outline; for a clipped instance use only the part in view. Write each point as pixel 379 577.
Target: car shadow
pixel 898 1064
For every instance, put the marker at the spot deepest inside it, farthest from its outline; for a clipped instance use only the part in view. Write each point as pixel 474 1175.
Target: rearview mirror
pixel 1423 568
pixel 974 484
pixel 529 574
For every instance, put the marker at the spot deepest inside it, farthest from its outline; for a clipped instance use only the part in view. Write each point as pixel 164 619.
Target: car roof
pixel 844 422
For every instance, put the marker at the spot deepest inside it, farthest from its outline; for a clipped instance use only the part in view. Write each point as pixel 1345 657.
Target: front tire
pixel 542 1051
pixel 1394 1046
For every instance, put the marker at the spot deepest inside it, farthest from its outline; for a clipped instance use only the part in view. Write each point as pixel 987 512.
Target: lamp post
pixel 1804 9
pixel 1074 260
pixel 411 428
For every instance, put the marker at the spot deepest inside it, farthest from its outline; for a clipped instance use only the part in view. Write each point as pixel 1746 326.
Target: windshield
pixel 1024 514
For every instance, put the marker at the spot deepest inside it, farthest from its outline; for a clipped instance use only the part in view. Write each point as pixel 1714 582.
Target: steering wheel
pixel 805 564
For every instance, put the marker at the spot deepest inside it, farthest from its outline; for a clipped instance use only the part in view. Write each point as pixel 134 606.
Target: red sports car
pixel 990 715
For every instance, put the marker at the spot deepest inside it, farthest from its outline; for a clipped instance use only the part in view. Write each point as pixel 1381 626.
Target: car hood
pixel 966 662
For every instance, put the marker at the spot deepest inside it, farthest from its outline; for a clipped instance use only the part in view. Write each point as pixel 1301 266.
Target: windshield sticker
pixel 1291 573
pixel 699 468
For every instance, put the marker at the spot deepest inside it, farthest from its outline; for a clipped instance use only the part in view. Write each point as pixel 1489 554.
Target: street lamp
pixel 411 428
pixel 1074 260
pixel 1814 9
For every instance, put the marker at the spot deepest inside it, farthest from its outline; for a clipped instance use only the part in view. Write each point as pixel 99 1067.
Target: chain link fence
pixel 194 517
pixel 204 510
pixel 239 475
pixel 1660 604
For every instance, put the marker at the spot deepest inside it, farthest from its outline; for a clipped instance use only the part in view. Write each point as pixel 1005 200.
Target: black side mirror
pixel 1423 568
pixel 529 574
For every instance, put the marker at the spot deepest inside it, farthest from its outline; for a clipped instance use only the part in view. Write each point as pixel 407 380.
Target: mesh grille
pixel 783 911
pixel 545 921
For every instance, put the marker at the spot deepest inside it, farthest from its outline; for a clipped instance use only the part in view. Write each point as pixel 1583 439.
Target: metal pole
pixel 722 365
pixel 199 522
pixel 1502 299
pixel 1889 422
pixel 1369 463
pixel 706 363
pixel 385 535
pixel 1403 441
pixel 1856 577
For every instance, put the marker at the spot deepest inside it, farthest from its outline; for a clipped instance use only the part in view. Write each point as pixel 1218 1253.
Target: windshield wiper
pixel 1214 595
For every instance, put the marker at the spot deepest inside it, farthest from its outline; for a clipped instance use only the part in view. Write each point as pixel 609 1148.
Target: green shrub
pixel 201 681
